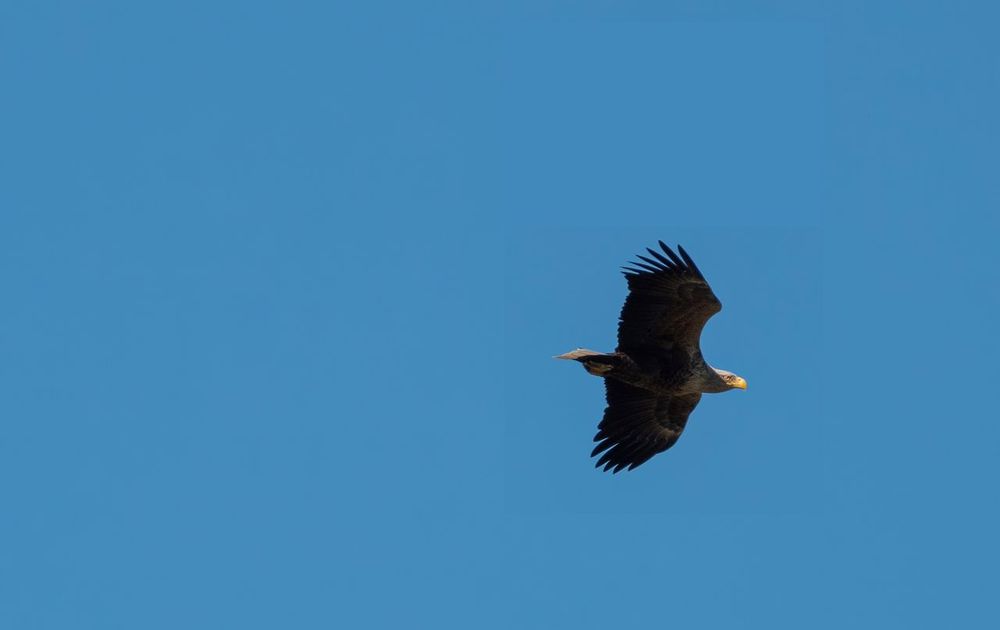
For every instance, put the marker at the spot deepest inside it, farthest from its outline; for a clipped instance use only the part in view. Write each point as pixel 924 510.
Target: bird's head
pixel 731 380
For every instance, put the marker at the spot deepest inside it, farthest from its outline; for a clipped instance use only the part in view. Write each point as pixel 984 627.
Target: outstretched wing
pixel 638 424
pixel 668 303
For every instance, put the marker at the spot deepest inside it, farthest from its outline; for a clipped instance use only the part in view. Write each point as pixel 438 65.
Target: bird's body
pixel 657 375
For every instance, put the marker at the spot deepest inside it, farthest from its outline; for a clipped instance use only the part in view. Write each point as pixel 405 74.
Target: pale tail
pixel 577 354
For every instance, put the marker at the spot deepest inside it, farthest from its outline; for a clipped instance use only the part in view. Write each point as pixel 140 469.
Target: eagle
pixel 657 374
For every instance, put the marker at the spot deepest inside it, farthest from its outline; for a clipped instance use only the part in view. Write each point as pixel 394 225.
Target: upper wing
pixel 638 424
pixel 669 302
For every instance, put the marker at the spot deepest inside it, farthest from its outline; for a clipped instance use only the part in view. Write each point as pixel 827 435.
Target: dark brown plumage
pixel 657 374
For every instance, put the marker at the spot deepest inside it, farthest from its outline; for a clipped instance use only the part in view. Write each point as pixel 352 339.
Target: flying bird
pixel 656 376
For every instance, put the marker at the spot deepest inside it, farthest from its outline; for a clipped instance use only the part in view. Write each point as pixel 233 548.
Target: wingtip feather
pixel 690 262
pixel 669 252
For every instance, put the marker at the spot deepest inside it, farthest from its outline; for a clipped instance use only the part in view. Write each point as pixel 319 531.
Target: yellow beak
pixel 741 383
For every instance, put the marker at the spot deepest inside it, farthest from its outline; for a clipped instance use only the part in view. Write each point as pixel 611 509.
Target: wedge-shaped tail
pixel 576 355
pixel 597 363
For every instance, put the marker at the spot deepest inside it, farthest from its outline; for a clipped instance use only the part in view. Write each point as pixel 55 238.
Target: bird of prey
pixel 656 376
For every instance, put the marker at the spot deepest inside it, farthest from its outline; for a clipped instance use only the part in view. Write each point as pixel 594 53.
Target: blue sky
pixel 283 283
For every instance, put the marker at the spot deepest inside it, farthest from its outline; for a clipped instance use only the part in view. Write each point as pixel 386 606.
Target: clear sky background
pixel 282 283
